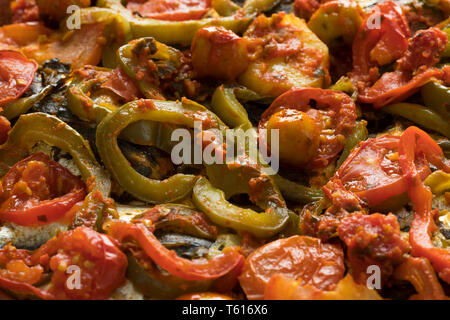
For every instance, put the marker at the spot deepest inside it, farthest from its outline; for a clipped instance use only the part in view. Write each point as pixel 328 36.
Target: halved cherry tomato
pixel 334 114
pixel 173 10
pixel 415 142
pixel 302 258
pixel 37 191
pixel 373 172
pixel 102 265
pixel 85 265
pixel 16 74
pixel 199 269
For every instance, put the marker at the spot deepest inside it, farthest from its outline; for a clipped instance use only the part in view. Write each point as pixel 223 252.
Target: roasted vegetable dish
pixel 219 149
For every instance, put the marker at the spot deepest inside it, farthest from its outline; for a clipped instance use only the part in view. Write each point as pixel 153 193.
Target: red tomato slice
pixel 102 265
pixel 199 269
pixel 299 257
pixel 37 191
pixel 172 10
pixel 373 172
pixel 97 259
pixel 16 75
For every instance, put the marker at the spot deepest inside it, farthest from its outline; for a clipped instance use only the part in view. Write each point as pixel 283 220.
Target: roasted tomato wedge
pixel 38 191
pixel 16 74
pixel 313 120
pixel 173 10
pixel 305 259
pixel 373 172
pixel 84 265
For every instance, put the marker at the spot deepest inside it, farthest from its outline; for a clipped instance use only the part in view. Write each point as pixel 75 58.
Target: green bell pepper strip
pixel 80 102
pixel 173 32
pixel 423 116
pixel 213 203
pixel 445 146
pixel 183 113
pixel 437 97
pixel 359 133
pixel 36 127
pixel 445 26
pixel 229 109
pixel 296 192
pixel 20 106
pixel 225 8
pixel 223 241
pixel 254 7
pixel 129 60
pixel 159 284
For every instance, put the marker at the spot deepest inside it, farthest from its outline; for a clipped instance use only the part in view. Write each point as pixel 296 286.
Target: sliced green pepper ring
pixel 437 97
pixel 183 113
pixel 225 104
pixel 20 106
pixel 213 203
pixel 156 283
pixel 173 32
pixel 80 101
pixel 130 58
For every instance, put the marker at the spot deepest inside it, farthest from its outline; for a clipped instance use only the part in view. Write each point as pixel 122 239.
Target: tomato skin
pixel 37 191
pixel 334 109
pixel 16 74
pixel 101 263
pixel 172 10
pixel 373 172
pixel 297 257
